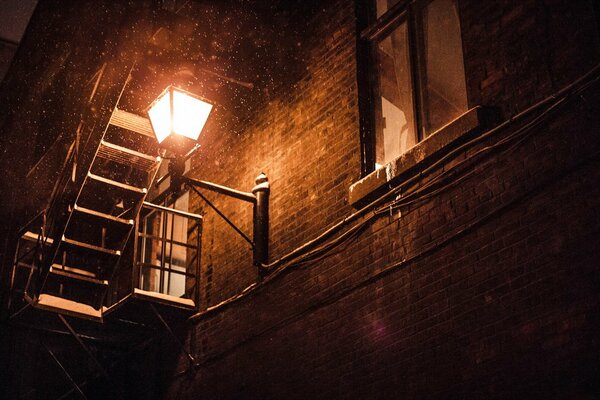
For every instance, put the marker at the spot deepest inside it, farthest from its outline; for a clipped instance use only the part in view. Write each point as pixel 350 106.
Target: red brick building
pixel 433 221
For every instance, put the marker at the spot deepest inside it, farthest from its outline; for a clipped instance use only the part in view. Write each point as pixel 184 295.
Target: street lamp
pixel 177 118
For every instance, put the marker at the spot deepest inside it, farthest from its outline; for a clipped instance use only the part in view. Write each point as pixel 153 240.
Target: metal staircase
pixel 78 264
pixel 89 263
pixel 95 268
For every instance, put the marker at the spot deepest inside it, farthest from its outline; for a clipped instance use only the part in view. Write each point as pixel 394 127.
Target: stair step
pixel 65 306
pixel 116 184
pixel 101 215
pixel 34 237
pixel 124 155
pixel 92 247
pixel 26 265
pixel 76 273
pixel 131 122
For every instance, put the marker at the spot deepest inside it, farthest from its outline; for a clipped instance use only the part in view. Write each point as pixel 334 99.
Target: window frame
pixel 370 30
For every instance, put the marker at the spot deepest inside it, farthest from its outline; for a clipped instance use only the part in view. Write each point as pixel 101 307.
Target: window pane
pixel 394 115
pixel 174 283
pixel 384 5
pixel 444 88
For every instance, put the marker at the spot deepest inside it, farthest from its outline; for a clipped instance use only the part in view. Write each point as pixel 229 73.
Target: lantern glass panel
pixel 160 115
pixel 189 114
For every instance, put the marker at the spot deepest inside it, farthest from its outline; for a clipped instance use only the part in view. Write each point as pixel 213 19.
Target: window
pixel 413 64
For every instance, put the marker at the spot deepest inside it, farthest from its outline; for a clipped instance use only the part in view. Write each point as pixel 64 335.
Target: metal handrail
pixel 186 214
pixel 175 242
pixel 39 247
pixel 25 227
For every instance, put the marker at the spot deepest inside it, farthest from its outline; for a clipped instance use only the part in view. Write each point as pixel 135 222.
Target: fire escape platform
pixel 136 307
pixel 164 299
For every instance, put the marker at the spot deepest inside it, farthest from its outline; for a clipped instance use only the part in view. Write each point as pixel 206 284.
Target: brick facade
pixel 485 290
pixel 309 178
pixel 476 280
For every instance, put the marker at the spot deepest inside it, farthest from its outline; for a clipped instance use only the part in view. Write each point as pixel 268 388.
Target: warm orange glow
pixel 176 112
pixel 189 115
pixel 160 117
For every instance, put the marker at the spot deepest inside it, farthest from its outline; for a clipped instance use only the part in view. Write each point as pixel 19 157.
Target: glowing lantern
pixel 177 118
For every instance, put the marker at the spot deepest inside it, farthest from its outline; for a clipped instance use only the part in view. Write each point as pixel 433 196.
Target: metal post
pixel 173 336
pixel 199 225
pixel 261 222
pixel 164 217
pixel 91 355
pixel 64 370
pixel 138 252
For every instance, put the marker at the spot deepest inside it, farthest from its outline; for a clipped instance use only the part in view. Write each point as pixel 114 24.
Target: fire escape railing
pixel 165 257
pixel 29 256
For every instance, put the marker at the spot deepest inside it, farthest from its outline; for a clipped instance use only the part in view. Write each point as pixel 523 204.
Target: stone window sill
pixel 433 147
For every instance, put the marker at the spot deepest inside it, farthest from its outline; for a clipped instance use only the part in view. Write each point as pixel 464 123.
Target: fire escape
pixel 101 277
pixel 99 260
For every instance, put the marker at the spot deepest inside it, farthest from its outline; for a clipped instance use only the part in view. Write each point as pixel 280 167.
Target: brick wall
pixel 304 139
pixel 488 289
pixel 516 54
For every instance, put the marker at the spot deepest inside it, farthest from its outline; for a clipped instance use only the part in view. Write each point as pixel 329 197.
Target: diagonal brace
pixel 69 377
pixel 90 354
pixel 172 334
pixel 238 230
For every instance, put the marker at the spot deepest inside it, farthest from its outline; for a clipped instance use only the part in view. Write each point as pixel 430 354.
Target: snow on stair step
pixel 164 297
pixel 60 305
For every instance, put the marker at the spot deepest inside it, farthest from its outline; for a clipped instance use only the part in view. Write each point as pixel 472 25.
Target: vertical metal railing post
pixel 171 240
pixel 198 261
pixel 137 270
pixel 163 249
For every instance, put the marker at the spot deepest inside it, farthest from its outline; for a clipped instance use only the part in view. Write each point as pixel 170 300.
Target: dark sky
pixel 14 15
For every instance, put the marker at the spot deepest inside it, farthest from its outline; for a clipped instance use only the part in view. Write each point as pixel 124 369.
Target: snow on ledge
pixel 165 297
pixel 58 303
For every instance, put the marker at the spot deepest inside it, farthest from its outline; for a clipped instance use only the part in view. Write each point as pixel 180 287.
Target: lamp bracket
pixel 220 213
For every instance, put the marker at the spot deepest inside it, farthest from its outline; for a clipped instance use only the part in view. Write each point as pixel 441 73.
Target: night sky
pixel 14 15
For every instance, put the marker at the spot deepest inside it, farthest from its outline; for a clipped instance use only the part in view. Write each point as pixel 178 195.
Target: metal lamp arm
pixel 259 198
pixel 229 222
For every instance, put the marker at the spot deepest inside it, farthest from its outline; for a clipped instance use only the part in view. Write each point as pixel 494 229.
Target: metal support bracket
pixel 259 198
pixel 91 355
pixel 172 334
pixel 220 213
pixel 63 369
